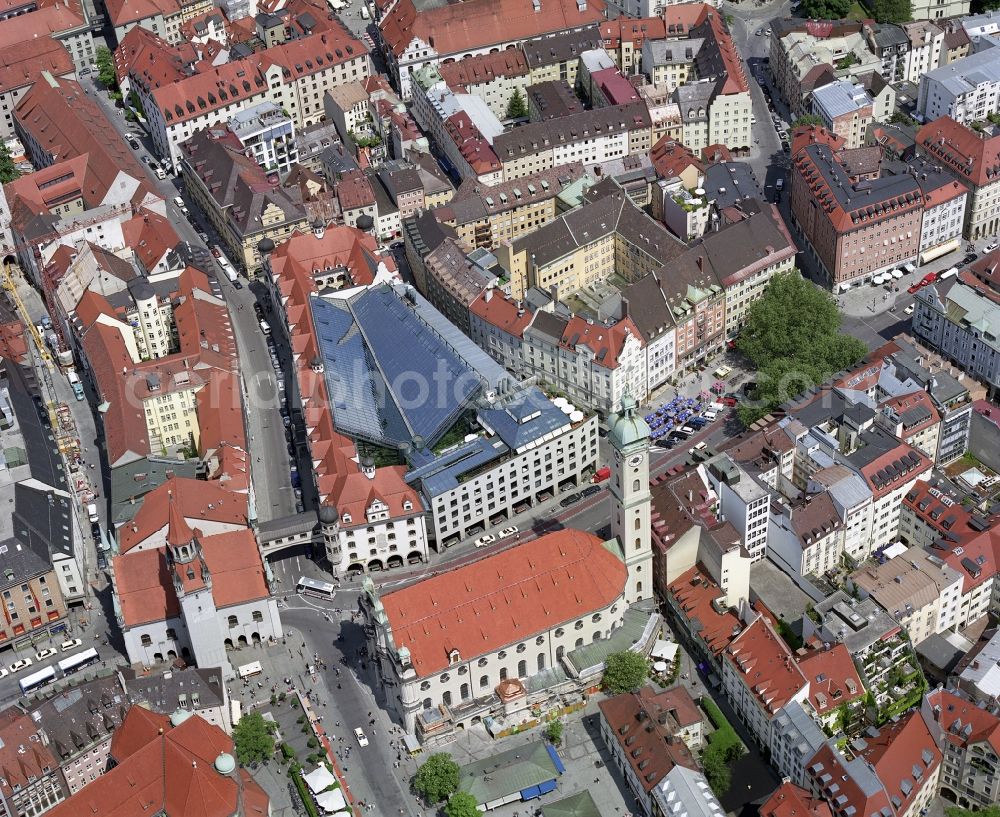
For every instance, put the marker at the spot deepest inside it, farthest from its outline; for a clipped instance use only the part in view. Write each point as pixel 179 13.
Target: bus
pixel 37 679
pixel 78 661
pixel 311 587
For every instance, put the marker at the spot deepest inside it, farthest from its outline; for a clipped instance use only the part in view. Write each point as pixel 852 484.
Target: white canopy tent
pixel 319 779
pixel 331 801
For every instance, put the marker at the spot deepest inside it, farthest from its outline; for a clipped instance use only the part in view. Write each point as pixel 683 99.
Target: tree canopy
pixel 106 67
pixel 437 778
pixel 955 811
pixel 807 119
pixel 462 804
pixel 8 170
pixel 554 732
pixel 792 335
pixel 825 9
pixel 892 11
pixel 624 672
pixel 517 108
pixel 252 738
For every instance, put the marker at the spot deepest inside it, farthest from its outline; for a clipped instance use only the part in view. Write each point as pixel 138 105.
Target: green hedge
pixel 307 800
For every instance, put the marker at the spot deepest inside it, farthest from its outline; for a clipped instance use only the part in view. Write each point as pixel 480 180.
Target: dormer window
pixel 346 519
pixel 454 657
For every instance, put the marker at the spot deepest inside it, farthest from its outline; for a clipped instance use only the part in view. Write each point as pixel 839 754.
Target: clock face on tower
pixel 635 460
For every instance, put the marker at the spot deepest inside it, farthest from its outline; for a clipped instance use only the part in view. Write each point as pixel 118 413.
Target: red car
pixel 915 288
pixel 729 401
pixel 929 278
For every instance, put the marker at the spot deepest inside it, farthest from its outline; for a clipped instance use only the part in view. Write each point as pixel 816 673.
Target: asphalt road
pixel 368 768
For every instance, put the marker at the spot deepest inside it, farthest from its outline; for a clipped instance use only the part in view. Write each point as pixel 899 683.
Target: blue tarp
pixel 556 760
pixel 546 787
pixel 530 794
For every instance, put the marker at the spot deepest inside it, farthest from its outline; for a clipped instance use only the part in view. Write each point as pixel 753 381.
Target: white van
pixel 951 273
pixel 92 512
pixel 265 327
pixel 364 13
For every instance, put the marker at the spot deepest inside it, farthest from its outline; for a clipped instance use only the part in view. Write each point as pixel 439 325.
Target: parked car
pixel 729 401
pixel 991 246
pixel 360 735
pixel 572 499
pixel 969 258
pixel 508 531
pixel 590 490
pixel 72 644
pixel 41 655
pixel 17 666
pixel 913 289
pixel 485 539
pixel 908 310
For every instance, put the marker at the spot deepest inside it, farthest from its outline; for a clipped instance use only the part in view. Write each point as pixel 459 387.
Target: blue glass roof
pixel 523 419
pixel 395 368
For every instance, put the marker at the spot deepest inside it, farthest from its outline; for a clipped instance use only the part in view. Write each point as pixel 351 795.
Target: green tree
pixel 517 108
pixel 900 118
pixel 716 771
pixel 437 778
pixel 554 732
pixel 825 9
pixel 624 672
pixel 892 11
pixel 979 6
pixel 792 335
pixel 955 811
pixel 462 804
pixel 106 68
pixel 807 119
pixel 8 170
pixel 253 738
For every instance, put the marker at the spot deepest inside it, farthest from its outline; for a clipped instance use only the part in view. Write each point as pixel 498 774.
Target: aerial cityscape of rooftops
pixel 564 408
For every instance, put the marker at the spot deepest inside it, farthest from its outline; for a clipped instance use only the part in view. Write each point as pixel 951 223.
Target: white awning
pixel 251 669
pixel 319 779
pixel 331 801
pixel 941 249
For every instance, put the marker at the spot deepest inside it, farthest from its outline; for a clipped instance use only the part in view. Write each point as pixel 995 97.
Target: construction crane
pixel 10 285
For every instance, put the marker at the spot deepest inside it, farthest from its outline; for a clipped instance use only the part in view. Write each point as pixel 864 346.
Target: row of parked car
pixel 41 655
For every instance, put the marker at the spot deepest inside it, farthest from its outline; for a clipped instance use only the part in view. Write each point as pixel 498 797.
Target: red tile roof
pixel 498 310
pixel 42 22
pixel 694 593
pixel 635 31
pixel 145 585
pixel 973 158
pixel 504 598
pixel 23 755
pixel 938 509
pixel 355 191
pixel 974 556
pixel 644 725
pixel 484 68
pixel 604 342
pixel 765 665
pixel 671 158
pixel 122 12
pixel 833 678
pixel 170 772
pixel 963 723
pixel 789 800
pixel 22 63
pixel 125 434
pixel 900 748
pixel 195 499
pixel 150 236
pixel 476 23
pixel 889 481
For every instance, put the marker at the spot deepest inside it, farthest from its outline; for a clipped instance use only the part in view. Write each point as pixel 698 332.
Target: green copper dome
pixel 626 428
pixel 225 763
